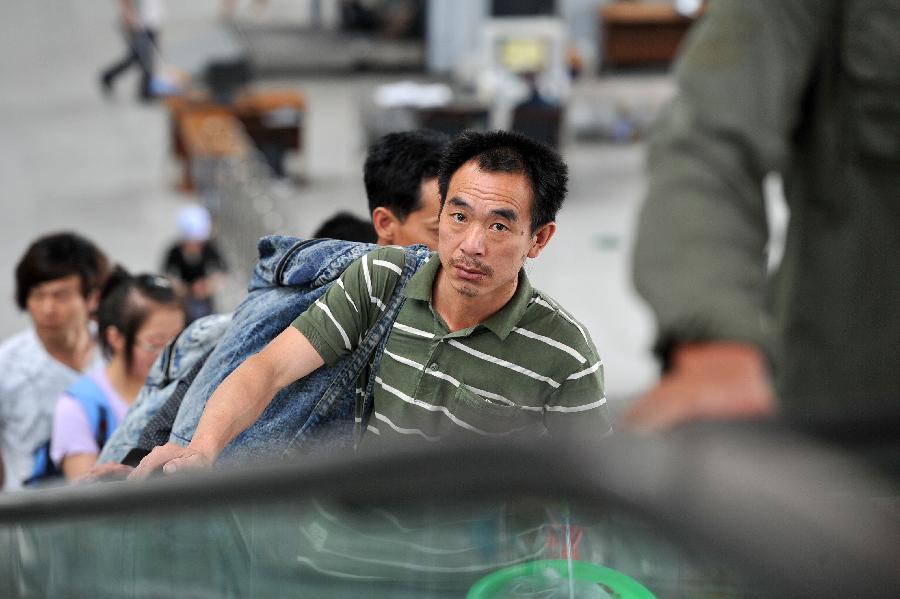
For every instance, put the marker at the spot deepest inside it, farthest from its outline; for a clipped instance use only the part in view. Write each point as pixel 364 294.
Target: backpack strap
pixel 372 343
pixel 96 407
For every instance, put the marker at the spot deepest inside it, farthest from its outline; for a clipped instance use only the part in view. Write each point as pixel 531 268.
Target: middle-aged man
pixel 474 350
pixel 57 282
pixel 809 88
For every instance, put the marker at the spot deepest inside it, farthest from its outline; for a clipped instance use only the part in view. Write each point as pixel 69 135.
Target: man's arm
pixel 700 253
pixel 237 403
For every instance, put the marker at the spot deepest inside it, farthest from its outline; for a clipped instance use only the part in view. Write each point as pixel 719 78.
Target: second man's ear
pixel 385 223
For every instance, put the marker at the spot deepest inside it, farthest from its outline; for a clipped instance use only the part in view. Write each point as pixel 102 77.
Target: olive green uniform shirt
pixel 528 369
pixel 811 89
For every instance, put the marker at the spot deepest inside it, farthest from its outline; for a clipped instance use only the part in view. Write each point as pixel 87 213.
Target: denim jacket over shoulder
pixel 194 343
pixel 290 276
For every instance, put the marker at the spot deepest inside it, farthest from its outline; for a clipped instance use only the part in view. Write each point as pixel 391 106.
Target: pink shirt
pixel 72 432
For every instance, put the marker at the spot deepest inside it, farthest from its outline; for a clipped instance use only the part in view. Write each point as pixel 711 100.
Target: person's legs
pixel 112 73
pixel 145 49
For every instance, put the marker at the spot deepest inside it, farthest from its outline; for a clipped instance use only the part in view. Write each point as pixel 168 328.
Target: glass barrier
pixel 736 513
pixel 312 548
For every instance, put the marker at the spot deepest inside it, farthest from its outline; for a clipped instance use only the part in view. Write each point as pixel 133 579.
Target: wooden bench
pixel 641 33
pixel 271 119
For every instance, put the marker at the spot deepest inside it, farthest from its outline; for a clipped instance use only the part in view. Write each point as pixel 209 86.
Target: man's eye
pixel 499 227
pixel 458 217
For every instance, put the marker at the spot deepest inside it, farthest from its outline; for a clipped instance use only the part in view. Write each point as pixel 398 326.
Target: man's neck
pixel 460 311
pixel 74 348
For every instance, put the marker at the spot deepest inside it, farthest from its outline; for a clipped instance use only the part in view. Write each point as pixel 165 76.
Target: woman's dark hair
pixel 125 303
pixel 58 256
pixel 507 152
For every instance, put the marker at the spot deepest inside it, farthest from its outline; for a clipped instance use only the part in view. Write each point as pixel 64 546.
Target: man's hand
pixel 708 381
pixel 103 472
pixel 170 458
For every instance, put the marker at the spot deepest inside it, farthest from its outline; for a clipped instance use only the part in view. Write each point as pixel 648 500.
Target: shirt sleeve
pixel 579 405
pixel 337 322
pixel 72 433
pixel 700 250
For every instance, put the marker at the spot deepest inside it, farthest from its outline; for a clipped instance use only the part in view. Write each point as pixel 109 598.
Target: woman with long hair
pixel 137 317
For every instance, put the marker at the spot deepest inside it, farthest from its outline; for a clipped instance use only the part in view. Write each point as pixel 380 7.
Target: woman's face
pixel 162 324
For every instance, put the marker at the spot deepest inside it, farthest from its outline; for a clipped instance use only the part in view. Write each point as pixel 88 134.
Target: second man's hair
pixel 397 164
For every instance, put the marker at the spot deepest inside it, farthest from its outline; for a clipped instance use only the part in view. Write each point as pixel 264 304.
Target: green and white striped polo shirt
pixel 529 368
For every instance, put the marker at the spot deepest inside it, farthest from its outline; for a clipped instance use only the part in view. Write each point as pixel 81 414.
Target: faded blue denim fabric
pixel 192 344
pixel 290 275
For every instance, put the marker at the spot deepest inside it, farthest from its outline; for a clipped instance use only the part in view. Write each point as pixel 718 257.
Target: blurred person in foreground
pixel 57 283
pixel 810 89
pixel 196 262
pixel 137 317
pixel 475 350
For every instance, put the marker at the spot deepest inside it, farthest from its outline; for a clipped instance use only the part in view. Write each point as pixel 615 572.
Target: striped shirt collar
pixel 501 323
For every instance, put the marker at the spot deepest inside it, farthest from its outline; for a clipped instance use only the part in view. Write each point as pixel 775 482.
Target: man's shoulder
pixel 21 348
pixel 384 263
pixel 545 316
pixel 21 359
pixel 394 254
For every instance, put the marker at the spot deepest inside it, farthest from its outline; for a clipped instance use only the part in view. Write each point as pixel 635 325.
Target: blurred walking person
pixel 141 21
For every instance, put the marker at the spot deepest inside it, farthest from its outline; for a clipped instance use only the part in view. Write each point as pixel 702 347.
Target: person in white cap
pixel 196 261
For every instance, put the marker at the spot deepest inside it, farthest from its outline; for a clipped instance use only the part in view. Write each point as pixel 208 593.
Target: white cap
pixel 194 223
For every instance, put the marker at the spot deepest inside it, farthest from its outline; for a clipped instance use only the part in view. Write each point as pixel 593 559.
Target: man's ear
pixel 92 301
pixel 385 222
pixel 541 238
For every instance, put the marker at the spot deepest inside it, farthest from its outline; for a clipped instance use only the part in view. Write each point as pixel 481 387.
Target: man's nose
pixel 473 241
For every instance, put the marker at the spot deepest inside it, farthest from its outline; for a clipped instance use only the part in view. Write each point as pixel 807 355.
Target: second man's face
pixel 421 226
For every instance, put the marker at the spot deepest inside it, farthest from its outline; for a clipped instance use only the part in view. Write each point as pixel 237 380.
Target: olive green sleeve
pixel 699 257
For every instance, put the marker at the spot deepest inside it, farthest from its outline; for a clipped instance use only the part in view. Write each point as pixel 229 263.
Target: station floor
pixel 72 159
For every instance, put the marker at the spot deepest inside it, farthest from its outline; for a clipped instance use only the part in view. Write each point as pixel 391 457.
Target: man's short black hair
pixel 348 227
pixel 58 256
pixel 397 164
pixel 507 152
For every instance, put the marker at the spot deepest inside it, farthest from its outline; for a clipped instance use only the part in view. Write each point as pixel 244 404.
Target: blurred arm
pixel 700 250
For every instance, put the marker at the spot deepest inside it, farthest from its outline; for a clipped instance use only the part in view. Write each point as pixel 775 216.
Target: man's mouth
pixel 469 272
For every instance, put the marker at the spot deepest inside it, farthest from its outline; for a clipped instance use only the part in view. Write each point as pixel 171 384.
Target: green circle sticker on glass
pixel 561 578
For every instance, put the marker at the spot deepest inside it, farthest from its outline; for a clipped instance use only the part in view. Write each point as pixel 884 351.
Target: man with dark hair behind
pixel 474 348
pixel 57 283
pixel 400 174
pixel 348 227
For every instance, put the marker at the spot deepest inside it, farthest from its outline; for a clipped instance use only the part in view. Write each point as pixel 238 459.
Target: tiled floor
pixel 69 159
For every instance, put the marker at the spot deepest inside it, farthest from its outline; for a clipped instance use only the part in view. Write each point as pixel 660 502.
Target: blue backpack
pixel 95 405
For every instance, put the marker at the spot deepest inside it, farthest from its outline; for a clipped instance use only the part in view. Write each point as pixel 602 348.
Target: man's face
pixel 485 231
pixel 421 226
pixel 57 306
